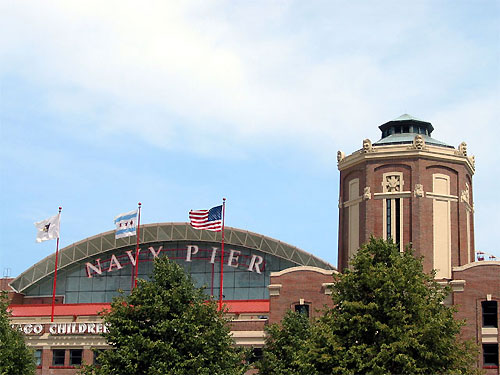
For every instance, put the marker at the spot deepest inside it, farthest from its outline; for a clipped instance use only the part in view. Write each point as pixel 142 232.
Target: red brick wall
pixel 296 285
pixel 257 325
pixel 481 279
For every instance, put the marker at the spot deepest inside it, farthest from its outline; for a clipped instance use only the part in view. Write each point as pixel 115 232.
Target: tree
pixel 15 357
pixel 165 326
pixel 388 318
pixel 283 353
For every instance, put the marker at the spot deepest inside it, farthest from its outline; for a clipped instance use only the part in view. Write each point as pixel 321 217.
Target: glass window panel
pixel 256 279
pixel 38 357
pixel 242 279
pixel 197 265
pixel 198 279
pixel 216 294
pixel 75 271
pixel 71 297
pixel 216 279
pixel 33 290
pixel 75 357
pixel 302 309
pixel 112 283
pixel 241 293
pixel 61 285
pixel 73 284
pixel 46 287
pixel 228 293
pixel 125 282
pixel 255 293
pixel 98 297
pixel 490 355
pixel 85 297
pixel 229 279
pixel 99 283
pixel 490 313
pixel 58 357
pixel 85 284
pixel 111 295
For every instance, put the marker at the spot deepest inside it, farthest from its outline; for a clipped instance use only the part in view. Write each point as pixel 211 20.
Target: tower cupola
pixel 403 129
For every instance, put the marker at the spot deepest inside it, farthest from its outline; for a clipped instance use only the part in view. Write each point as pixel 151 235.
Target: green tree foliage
pixel 165 326
pixel 15 357
pixel 388 318
pixel 283 353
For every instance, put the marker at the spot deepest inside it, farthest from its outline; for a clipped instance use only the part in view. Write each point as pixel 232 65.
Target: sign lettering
pixel 234 260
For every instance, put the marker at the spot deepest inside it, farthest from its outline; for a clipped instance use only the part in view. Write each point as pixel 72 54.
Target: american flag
pixel 207 219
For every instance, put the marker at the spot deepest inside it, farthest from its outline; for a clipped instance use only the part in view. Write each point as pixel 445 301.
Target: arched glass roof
pixel 88 248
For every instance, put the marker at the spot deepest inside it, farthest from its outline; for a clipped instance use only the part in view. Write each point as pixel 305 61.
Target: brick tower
pixel 412 188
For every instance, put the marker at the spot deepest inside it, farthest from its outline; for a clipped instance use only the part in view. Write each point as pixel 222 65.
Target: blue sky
pixel 178 104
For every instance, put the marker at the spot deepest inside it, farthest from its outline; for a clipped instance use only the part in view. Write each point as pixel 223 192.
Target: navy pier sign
pixel 252 263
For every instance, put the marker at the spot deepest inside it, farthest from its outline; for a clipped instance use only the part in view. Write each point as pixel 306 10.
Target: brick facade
pixel 299 286
pixel 417 212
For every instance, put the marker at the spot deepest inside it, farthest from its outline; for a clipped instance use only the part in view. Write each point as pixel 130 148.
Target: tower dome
pixel 403 130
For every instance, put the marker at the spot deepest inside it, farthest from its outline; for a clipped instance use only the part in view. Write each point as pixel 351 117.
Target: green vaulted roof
pixel 151 233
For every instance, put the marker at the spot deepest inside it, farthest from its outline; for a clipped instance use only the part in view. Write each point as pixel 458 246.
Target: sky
pixel 179 104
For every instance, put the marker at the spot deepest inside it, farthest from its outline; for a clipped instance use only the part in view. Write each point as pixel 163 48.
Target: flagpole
pixel 55 272
pixel 222 255
pixel 137 248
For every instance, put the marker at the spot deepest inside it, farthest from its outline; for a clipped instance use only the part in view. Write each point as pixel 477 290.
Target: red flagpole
pixel 137 248
pixel 222 255
pixel 55 272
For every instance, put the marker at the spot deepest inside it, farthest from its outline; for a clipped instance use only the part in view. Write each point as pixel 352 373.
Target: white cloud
pixel 168 70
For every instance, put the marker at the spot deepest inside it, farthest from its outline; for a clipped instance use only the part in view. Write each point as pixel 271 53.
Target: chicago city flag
pixel 207 219
pixel 47 229
pixel 126 224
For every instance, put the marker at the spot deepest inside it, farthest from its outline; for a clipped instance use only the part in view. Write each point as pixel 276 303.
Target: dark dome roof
pixel 403 129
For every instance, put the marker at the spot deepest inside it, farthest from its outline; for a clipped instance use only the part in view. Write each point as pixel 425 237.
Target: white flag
pixel 47 229
pixel 126 224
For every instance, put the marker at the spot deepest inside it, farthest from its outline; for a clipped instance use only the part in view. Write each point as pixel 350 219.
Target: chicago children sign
pixel 255 264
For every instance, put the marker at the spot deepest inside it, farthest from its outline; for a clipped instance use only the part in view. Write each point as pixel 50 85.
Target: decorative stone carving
pixel 366 193
pixel 465 195
pixel 367 146
pixel 392 183
pixel 473 161
pixel 419 190
pixel 340 156
pixel 462 149
pixel 418 142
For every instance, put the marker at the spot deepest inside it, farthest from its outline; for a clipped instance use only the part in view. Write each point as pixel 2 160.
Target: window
pixel 490 355
pixel 389 219
pixel 38 357
pixel 302 309
pixel 255 355
pixel 75 357
pixel 393 220
pixel 490 314
pixel 97 352
pixel 58 357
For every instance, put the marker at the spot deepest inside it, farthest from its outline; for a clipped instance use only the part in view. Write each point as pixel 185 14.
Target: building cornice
pixel 482 263
pixel 404 152
pixel 303 268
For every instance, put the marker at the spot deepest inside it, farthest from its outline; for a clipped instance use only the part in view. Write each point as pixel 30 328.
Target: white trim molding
pixel 303 268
